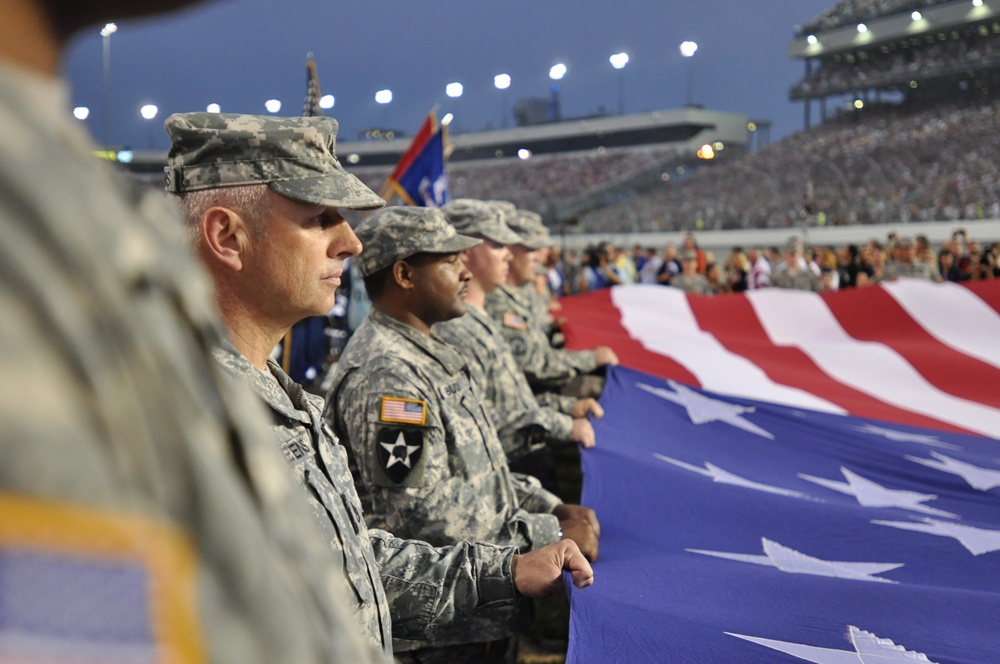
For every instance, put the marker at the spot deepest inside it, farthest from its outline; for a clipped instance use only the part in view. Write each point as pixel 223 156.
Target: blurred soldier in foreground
pixel 424 453
pixel 525 428
pixel 145 514
pixel 689 280
pixel 261 197
pixel 548 369
pixel 794 272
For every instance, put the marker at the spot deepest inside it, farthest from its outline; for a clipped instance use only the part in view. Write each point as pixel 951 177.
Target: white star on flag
pixel 725 477
pixel 983 479
pixel 977 540
pixel 868 649
pixel 904 437
pixel 794 562
pixel 871 494
pixel 702 409
pixel 394 458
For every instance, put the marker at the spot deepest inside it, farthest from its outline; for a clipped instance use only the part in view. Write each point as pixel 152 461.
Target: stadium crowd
pixel 847 12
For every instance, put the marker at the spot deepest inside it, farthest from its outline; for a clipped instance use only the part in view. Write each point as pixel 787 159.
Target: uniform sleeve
pixel 583 361
pixel 403 471
pixel 455 594
pixel 532 496
pixel 563 403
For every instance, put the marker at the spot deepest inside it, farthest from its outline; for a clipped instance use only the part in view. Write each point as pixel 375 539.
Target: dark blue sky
pixel 239 53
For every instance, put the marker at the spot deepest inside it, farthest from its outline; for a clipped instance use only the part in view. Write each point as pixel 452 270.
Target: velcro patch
pixel 120 588
pixel 403 411
pixel 399 451
pixel 513 321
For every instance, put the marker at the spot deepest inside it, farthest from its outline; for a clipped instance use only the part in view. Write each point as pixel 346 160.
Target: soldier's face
pixel 295 267
pixel 489 264
pixel 439 288
pixel 523 264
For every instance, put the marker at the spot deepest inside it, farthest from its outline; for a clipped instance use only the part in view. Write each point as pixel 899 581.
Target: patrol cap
pixel 399 232
pixel 529 228
pixel 472 217
pixel 689 255
pixel 295 157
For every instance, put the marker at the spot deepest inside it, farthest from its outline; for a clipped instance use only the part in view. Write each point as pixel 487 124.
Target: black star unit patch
pixel 398 451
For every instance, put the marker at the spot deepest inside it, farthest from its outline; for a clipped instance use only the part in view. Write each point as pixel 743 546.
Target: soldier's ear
pixel 403 274
pixel 225 237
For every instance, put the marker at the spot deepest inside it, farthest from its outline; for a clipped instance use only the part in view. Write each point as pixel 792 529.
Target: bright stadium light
pixel 383 96
pixel 327 101
pixel 524 153
pixel 272 105
pixel 862 28
pixel 454 90
pixel 859 104
pixel 149 111
pixel 977 3
pixel 916 16
pixel 557 72
pixel 811 40
pixel 446 120
pixel 213 108
pixel 501 81
pixel 81 112
pixel 619 60
pixel 688 48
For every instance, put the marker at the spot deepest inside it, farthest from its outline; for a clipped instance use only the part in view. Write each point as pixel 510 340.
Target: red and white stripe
pixel 911 351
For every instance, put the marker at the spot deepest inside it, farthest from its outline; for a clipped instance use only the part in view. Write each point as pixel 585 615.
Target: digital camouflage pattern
pixel 522 424
pixel 547 369
pixel 457 594
pixel 529 228
pixel 914 270
pixel 111 403
pixel 801 280
pixel 694 283
pixel 399 232
pixel 295 156
pixel 460 487
pixel 472 217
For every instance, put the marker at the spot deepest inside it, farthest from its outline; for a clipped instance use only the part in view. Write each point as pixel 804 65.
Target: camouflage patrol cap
pixel 529 228
pixel 295 157
pixel 399 232
pixel 478 218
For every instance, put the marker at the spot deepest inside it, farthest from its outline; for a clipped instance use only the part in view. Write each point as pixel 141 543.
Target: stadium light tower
pixel 106 32
pixel 556 73
pixel 502 82
pixel 149 113
pixel 688 49
pixel 618 61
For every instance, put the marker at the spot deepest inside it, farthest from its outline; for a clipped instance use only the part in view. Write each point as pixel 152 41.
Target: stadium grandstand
pixel 901 124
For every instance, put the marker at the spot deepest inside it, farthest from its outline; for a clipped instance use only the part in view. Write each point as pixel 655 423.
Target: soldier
pixel 145 513
pixel 525 428
pixel 424 453
pixel 689 280
pixel 261 198
pixel 794 273
pixel 905 263
pixel 548 369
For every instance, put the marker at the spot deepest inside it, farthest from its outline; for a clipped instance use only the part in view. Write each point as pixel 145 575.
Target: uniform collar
pixel 434 347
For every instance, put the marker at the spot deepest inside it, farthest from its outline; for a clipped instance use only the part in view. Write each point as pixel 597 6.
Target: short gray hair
pixel 251 201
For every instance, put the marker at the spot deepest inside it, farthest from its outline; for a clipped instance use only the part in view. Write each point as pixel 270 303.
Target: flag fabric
pixel 738 530
pixel 910 351
pixel 311 106
pixel 419 178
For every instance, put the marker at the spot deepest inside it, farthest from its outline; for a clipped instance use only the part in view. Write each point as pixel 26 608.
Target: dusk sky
pixel 240 53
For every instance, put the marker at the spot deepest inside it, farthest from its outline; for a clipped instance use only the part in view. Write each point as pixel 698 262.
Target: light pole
pixel 148 112
pixel 618 61
pixel 502 82
pixel 106 32
pixel 384 97
pixel 556 73
pixel 454 90
pixel 688 49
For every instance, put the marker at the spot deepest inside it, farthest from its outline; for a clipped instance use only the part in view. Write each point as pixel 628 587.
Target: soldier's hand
pixel 605 356
pixel 580 532
pixel 571 511
pixel 539 573
pixel 583 433
pixel 588 406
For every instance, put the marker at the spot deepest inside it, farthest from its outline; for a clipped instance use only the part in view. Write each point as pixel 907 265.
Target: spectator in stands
pixel 848 265
pixel 947 267
pixel 760 269
pixel 650 267
pixel 671 266
pixel 601 271
pixel 689 244
pixel 924 254
pixel 904 263
pixel 737 271
pixel 872 263
pixel 793 272
pixel 716 280
pixel 689 280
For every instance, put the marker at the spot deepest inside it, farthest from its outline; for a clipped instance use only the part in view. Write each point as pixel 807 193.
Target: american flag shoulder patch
pixel 403 411
pixel 81 585
pixel 512 320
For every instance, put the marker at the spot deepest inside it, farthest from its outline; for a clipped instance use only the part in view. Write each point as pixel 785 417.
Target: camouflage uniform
pixel 433 469
pixel 523 425
pixel 124 446
pixel 458 594
pixel 695 283
pixel 801 280
pixel 547 368
pixel 915 270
